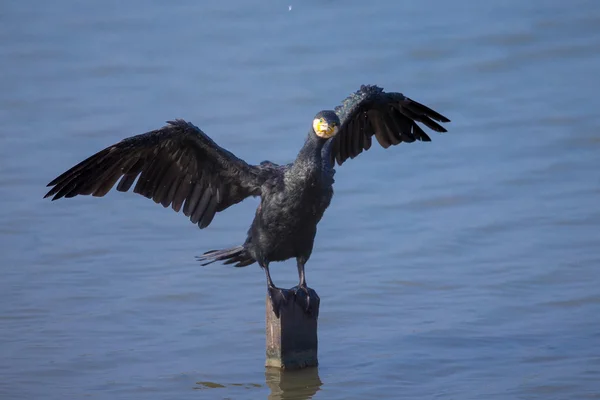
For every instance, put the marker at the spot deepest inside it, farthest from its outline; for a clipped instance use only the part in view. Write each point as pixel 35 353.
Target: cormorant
pixel 180 166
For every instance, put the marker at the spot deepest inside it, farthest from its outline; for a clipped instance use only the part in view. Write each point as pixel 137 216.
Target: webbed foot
pixel 278 298
pixel 307 299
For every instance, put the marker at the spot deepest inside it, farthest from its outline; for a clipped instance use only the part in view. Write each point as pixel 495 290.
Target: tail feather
pixel 235 255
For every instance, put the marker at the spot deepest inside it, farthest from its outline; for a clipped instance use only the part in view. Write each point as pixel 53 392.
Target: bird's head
pixel 326 124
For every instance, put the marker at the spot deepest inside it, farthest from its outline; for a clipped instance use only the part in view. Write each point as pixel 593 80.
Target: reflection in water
pixel 300 384
pixel 214 385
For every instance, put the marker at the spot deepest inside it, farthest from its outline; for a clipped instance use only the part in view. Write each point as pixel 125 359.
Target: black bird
pixel 180 166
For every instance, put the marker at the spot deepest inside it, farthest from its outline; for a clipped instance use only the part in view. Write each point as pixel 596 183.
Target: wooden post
pixel 292 338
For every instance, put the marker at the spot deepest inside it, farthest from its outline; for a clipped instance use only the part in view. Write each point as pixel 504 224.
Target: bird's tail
pixel 235 255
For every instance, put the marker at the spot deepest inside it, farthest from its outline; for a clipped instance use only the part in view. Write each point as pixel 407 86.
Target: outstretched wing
pixel 390 117
pixel 175 164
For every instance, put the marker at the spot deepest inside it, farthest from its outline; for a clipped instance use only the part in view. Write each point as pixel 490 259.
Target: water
pixel 465 268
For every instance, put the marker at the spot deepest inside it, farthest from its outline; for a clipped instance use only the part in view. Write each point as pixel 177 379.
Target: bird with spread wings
pixel 179 166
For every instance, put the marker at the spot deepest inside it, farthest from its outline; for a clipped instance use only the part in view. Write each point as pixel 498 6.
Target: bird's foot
pixel 278 298
pixel 307 299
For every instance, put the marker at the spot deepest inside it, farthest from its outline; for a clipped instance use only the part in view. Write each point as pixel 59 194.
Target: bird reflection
pixel 298 385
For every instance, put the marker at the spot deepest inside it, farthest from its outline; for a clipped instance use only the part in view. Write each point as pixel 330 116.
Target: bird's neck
pixel 306 169
pixel 311 151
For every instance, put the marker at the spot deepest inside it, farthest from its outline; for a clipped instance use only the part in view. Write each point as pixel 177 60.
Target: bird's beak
pixel 331 130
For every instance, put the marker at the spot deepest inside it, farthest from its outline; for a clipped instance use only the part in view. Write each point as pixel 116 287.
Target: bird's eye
pixel 321 120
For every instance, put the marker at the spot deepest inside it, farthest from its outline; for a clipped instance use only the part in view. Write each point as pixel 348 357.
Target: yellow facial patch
pixel 323 129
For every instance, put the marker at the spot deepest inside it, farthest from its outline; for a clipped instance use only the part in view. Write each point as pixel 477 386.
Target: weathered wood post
pixel 292 338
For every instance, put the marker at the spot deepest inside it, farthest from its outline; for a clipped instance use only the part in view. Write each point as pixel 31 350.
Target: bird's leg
pixel 276 294
pixel 301 276
pixel 306 297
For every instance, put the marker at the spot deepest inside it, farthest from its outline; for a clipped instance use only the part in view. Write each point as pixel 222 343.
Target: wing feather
pixel 176 165
pixel 182 193
pixel 391 117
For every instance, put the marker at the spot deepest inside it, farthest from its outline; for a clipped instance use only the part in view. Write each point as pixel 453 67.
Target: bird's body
pixel 286 221
pixel 180 166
